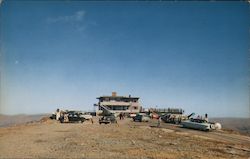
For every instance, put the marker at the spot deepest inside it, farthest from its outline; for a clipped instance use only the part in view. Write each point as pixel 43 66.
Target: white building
pixel 118 104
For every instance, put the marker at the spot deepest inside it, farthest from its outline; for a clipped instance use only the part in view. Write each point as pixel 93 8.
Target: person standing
pixel 159 122
pixel 206 117
pixel 120 115
pixel 58 114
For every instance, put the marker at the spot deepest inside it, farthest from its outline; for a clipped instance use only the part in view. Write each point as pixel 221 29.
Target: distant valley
pixel 9 120
pixel 241 125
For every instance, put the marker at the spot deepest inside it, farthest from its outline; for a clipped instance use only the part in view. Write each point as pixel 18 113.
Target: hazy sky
pixel 192 55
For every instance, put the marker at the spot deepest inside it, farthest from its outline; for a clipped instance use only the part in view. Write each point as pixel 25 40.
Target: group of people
pixel 60 114
pixel 205 118
pixel 198 117
pixel 122 116
pixel 65 116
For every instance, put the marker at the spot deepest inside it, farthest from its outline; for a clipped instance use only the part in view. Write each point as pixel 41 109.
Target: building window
pixel 120 107
pixel 125 108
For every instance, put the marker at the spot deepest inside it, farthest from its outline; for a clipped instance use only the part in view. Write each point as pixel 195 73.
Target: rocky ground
pixel 50 139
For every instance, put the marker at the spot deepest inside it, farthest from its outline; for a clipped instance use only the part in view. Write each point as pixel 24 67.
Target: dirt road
pixel 50 139
pixel 215 135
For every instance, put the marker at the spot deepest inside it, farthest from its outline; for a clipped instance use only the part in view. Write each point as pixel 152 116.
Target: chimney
pixel 113 94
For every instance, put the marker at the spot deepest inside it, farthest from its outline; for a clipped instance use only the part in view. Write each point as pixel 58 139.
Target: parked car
pixel 86 116
pixel 53 116
pixel 175 118
pixel 198 124
pixel 107 119
pixel 141 118
pixel 132 115
pixel 71 117
pixel 154 115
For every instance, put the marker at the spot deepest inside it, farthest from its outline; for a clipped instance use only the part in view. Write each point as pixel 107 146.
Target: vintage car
pixel 107 119
pixel 154 115
pixel 107 116
pixel 175 118
pixel 131 115
pixel 141 118
pixel 53 116
pixel 71 117
pixel 198 124
pixel 86 116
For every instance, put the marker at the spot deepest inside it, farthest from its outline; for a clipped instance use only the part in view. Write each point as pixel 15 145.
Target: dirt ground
pixel 50 139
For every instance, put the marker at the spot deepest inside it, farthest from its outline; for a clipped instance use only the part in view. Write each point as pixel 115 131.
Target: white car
pixel 86 116
pixel 198 124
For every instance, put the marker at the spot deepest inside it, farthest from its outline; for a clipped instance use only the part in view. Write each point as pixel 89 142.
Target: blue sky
pixel 192 55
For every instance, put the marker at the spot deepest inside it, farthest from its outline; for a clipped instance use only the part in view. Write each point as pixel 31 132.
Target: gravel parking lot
pixel 50 139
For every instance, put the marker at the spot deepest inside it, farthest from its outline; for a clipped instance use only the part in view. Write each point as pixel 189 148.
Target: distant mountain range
pixel 8 120
pixel 237 124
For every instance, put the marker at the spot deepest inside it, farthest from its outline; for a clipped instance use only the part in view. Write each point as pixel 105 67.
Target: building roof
pixel 124 97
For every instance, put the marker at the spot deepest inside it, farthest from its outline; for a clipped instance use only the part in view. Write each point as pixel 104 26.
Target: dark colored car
pixel 107 119
pixel 53 116
pixel 141 118
pixel 72 117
